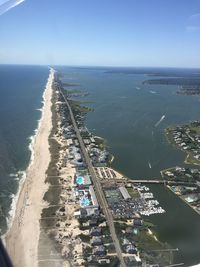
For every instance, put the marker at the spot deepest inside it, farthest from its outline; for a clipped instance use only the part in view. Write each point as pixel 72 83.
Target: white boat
pixel 149 164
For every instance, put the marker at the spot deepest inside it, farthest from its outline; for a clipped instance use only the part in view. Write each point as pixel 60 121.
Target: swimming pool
pixel 79 180
pixel 84 201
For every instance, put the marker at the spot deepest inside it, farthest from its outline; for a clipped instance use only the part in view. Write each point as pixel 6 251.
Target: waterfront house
pixel 131 249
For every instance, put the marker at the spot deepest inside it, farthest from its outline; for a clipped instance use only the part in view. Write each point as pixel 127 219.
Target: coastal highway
pixel 97 185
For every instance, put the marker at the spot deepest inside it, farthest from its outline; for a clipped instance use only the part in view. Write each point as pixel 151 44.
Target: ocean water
pixel 21 90
pixel 127 115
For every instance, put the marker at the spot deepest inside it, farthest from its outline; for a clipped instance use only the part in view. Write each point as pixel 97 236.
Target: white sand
pixel 23 236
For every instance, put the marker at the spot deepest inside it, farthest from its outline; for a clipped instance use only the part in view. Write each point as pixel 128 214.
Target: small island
pixel 189 90
pixel 186 85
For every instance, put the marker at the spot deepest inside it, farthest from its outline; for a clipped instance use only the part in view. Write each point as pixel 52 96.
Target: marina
pixel 97 197
pixel 71 197
pixel 132 160
pixel 100 133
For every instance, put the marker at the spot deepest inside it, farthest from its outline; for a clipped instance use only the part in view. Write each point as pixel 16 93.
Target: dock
pixel 141 181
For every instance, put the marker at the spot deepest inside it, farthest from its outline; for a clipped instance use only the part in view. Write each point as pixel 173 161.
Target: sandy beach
pixel 23 236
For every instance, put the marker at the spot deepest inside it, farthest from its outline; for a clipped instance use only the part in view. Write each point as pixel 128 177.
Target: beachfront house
pixel 131 249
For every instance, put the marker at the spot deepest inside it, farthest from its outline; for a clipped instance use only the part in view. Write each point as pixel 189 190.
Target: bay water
pixel 132 116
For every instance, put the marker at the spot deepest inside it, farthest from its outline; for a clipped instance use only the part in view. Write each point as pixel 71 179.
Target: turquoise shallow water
pixel 21 89
pixel 127 115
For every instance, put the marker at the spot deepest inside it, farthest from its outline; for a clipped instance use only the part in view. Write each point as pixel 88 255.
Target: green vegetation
pixel 169 136
pixel 191 160
pixel 71 92
pixel 119 227
pixel 111 248
pixel 133 193
pixel 196 129
pixel 163 258
pixel 148 224
pixel 87 251
pixel 54 145
pixel 114 262
pixel 77 106
pixel 100 142
pixel 145 241
pixel 107 239
pixel 84 238
pixel 105 230
pixel 69 84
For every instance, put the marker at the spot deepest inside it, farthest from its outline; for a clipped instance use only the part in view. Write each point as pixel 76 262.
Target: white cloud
pixel 6 5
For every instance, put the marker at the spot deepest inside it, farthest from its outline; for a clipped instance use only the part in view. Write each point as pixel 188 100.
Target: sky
pixel 100 32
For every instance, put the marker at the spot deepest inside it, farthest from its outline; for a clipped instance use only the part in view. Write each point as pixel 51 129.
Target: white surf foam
pixel 21 175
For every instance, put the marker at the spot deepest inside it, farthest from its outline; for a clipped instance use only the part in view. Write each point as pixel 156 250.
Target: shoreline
pixel 23 173
pixel 188 204
pixel 22 237
pixel 187 159
pixel 62 235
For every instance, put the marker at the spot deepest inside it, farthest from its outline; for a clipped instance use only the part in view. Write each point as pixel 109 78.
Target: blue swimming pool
pixel 84 201
pixel 79 180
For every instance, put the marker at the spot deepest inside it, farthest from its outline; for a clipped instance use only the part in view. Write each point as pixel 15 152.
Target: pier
pixel 149 181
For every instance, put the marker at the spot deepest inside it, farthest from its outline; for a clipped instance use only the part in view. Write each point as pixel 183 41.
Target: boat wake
pixel 161 119
pixel 149 163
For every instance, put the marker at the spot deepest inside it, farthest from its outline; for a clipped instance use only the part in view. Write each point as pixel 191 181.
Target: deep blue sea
pixel 21 90
pixel 127 114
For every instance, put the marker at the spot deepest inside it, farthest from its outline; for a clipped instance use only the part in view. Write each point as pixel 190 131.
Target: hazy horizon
pixel 100 66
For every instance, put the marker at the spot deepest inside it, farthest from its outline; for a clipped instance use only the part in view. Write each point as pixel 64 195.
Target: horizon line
pixel 95 66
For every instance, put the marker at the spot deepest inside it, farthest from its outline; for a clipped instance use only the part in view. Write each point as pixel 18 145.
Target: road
pixel 97 185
